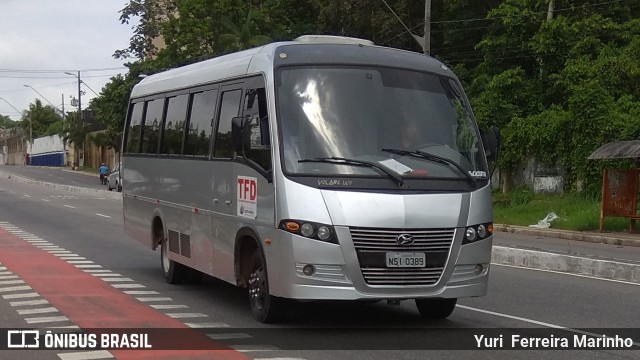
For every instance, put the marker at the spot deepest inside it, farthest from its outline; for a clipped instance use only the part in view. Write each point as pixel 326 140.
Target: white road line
pixel 229 336
pixel 106 216
pixel 15 288
pixel 147 299
pixel 70 207
pixel 97 271
pixel 167 307
pixel 87 266
pixel 253 348
pixel 37 311
pixel 28 302
pixel 105 274
pixel 128 286
pixel 40 320
pixel 186 315
pixel 72 257
pixel 3 268
pixel 6 277
pixel 45 200
pixel 28 196
pixel 531 321
pixel 6 273
pixel 565 273
pixel 116 279
pixel 11 282
pixel 20 296
pixel 206 325
pixel 60 252
pixel 141 292
pixel 79 261
pixel 86 355
pixel 279 358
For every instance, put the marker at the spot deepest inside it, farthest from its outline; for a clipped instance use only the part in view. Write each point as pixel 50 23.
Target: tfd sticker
pixel 247 197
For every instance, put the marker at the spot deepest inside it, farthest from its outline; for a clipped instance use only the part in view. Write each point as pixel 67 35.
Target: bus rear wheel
pixel 264 307
pixel 172 271
pixel 436 308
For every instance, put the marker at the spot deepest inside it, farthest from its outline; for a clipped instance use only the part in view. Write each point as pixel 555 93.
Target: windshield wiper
pixel 434 158
pixel 353 162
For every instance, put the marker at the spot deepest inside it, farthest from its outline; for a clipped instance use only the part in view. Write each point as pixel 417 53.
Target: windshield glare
pixel 355 113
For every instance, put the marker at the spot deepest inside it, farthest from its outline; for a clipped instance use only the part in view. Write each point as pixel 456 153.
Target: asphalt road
pixel 56 175
pixel 91 227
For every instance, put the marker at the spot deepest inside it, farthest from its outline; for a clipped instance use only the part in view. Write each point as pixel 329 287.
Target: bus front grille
pixel 372 245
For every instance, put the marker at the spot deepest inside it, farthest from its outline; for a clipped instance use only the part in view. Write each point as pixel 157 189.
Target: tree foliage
pixel 560 81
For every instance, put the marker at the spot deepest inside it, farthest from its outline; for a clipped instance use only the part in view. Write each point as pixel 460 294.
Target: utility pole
pixel 552 6
pixel 427 27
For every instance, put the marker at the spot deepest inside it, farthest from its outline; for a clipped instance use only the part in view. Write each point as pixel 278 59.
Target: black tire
pixel 109 186
pixel 119 187
pixel 173 272
pixel 264 307
pixel 436 308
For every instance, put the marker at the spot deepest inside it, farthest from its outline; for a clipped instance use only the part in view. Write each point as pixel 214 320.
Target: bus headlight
pixel 309 230
pixel 477 232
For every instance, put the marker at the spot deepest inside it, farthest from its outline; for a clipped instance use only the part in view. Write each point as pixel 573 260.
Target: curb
pixel 541 260
pixel 610 239
pixel 70 188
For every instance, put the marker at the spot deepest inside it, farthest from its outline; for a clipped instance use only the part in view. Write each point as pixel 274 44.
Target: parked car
pixel 114 179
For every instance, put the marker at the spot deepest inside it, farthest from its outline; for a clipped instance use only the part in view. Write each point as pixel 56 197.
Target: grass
pixel 575 213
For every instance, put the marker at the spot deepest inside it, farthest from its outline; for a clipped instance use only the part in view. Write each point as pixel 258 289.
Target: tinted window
pixel 173 129
pixel 135 121
pixel 203 106
pixel 152 123
pixel 228 110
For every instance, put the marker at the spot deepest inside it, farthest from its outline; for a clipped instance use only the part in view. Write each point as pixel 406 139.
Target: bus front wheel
pixel 264 307
pixel 436 308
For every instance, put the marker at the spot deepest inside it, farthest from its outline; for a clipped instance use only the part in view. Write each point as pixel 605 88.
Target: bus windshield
pixel 414 123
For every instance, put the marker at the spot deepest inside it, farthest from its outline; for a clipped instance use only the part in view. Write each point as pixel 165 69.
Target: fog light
pixel 479 269
pixel 309 270
pixel 324 233
pixel 471 234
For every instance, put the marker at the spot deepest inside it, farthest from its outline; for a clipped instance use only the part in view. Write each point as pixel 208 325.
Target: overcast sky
pixel 40 40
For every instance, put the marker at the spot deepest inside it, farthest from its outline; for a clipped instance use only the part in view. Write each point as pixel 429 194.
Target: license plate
pixel 404 259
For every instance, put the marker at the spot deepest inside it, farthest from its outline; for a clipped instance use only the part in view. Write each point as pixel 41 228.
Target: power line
pixel 52 77
pixel 62 70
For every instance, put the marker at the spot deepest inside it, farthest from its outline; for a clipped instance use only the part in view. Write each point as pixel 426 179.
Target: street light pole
pixel 42 96
pixel 79 93
pixel 19 112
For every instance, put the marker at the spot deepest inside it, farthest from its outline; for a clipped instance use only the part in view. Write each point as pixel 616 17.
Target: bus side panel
pixel 181 197
pixel 230 216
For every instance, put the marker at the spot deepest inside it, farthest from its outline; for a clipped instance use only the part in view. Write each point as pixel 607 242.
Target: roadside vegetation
pixel 575 212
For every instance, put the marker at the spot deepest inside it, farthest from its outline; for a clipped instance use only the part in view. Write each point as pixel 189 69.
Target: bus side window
pixel 152 124
pixel 223 145
pixel 173 125
pixel 255 108
pixel 134 129
pixel 199 128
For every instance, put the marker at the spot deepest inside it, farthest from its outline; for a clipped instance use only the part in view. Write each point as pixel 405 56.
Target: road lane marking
pixel 70 207
pixel 45 200
pixel 15 288
pixel 86 355
pixel 87 266
pixel 37 311
pixel 128 286
pixel 106 216
pixel 207 325
pixel 11 282
pixel 7 277
pixel 28 302
pixel 141 292
pixel 167 307
pixel 48 319
pixel 565 273
pixel 186 315
pixel 116 279
pixel 21 296
pixel 27 196
pixel 229 336
pixel 147 299
pixel 254 348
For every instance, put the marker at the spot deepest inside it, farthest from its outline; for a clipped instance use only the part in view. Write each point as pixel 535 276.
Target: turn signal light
pixel 292 226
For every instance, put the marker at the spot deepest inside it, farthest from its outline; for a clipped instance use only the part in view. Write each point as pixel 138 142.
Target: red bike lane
pixel 93 304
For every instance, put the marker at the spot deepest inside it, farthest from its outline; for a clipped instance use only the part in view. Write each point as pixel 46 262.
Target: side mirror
pixel 241 138
pixel 491 142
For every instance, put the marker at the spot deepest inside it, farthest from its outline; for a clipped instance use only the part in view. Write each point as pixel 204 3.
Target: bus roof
pixel 303 51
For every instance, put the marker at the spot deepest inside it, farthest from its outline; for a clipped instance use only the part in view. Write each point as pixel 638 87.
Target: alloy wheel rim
pixel 257 289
